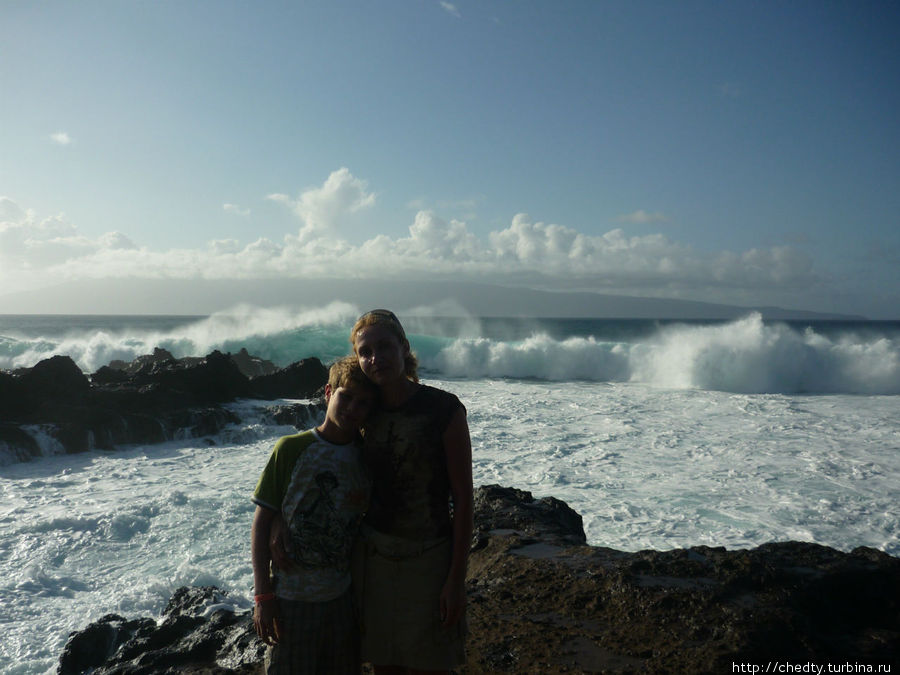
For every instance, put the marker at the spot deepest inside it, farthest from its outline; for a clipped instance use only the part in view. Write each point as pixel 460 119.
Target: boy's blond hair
pixel 346 373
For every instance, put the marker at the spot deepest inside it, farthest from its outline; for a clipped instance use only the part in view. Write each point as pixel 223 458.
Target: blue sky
pixel 737 152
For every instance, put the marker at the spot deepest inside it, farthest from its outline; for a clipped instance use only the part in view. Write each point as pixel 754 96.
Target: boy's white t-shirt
pixel 322 491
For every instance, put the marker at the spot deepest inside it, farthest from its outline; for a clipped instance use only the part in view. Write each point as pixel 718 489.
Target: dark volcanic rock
pixel 143 362
pixel 301 379
pixel 214 379
pixel 300 415
pixel 17 442
pixel 538 604
pixel 198 633
pixel 154 398
pixel 94 645
pixel 56 378
pixel 253 366
pixel 505 508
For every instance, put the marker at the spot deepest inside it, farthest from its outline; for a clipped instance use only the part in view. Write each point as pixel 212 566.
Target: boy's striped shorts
pixel 316 637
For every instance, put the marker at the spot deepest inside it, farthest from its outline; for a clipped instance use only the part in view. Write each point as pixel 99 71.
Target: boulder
pixel 12 399
pixel 499 509
pixel 252 366
pixel 199 632
pixel 57 378
pixel 302 379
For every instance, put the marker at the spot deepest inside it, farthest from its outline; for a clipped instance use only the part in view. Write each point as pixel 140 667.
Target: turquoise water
pixel 747 355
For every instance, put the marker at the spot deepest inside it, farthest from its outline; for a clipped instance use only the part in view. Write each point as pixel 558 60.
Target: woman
pixel 418 529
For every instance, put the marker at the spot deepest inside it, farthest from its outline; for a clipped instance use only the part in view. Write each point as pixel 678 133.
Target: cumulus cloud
pixel 527 242
pixel 432 237
pixel 61 138
pixel 29 243
pixel 220 247
pixel 322 209
pixel 525 252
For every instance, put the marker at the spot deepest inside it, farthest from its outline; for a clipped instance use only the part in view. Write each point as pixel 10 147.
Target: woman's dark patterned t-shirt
pixel 404 453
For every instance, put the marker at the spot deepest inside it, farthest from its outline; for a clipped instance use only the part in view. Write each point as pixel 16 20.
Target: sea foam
pixel 280 334
pixel 744 356
pixel 748 356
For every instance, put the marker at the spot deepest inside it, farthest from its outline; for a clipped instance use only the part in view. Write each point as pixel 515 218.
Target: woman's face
pixel 381 354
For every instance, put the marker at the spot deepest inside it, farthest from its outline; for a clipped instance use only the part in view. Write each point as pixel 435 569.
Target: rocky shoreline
pixel 152 399
pixel 542 601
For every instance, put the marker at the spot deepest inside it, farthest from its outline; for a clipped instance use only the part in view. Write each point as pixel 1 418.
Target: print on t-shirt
pixel 317 532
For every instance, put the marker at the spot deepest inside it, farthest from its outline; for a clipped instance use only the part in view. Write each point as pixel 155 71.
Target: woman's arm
pixel 458 449
pixel 277 548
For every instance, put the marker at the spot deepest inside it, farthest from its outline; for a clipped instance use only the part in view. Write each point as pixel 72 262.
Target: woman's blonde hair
pixel 385 317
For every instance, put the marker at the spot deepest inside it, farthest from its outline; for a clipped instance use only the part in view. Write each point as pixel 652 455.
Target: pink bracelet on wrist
pixel 263 597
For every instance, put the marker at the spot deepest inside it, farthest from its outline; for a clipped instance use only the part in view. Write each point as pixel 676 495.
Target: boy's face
pixel 348 407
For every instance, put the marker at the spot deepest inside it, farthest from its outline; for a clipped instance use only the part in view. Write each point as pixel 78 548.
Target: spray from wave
pixel 281 335
pixel 743 356
pixel 748 356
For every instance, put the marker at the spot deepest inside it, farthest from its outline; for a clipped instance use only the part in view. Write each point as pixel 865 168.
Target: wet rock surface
pixel 539 603
pixel 154 398
pixel 199 633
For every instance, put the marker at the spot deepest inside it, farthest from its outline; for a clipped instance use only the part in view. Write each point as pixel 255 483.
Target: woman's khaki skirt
pixel 398 587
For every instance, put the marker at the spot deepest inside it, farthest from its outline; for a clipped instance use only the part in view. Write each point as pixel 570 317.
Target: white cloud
pixel 61 138
pixel 525 252
pixel 235 210
pixel 10 212
pixel 779 265
pixel 450 8
pixel 115 241
pixel 323 209
pixel 435 239
pixel 28 244
pixel 221 247
pixel 641 217
pixel 528 242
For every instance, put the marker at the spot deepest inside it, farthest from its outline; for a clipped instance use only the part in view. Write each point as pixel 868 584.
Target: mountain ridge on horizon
pixel 202 297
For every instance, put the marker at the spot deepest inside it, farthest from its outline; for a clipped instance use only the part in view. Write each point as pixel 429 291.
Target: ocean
pixel 661 434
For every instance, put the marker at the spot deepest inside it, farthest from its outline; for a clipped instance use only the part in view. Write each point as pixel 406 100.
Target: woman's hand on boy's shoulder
pixel 277 547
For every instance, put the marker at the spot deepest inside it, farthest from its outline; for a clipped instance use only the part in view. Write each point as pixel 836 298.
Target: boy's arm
pixel 265 617
pixel 458 448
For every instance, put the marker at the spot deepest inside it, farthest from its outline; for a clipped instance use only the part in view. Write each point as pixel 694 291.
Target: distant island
pixel 202 297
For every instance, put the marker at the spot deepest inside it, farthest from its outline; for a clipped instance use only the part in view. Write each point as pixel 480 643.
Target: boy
pixel 317 482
